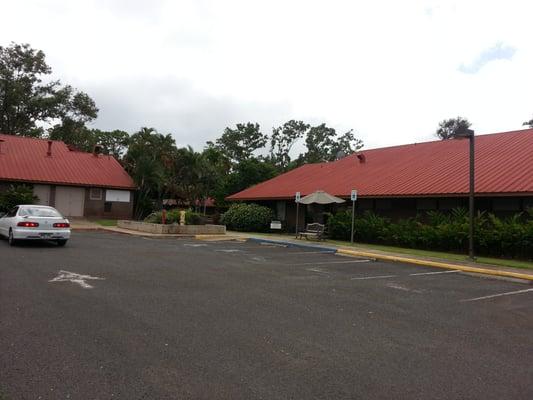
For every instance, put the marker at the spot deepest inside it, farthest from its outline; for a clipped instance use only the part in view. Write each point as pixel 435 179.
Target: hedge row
pixel 509 237
pixel 247 218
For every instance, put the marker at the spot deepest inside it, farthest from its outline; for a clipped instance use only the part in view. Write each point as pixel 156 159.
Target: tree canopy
pixel 240 143
pixel 29 100
pixel 529 123
pixel 451 128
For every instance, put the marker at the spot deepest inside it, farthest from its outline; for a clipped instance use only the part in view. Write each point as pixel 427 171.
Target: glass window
pixel 38 212
pixel 95 194
pixel 506 204
pixel 280 210
pixel 383 204
pixel 426 204
pixel 12 212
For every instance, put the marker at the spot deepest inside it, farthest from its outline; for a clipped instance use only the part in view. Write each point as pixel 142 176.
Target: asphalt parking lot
pixel 112 316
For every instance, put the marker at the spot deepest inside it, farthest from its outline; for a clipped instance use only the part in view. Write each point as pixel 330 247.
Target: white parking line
pixel 317 270
pixel 373 277
pixel 498 295
pixel 434 273
pixel 331 262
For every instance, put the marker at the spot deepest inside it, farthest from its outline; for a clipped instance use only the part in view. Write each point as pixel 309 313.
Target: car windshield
pixel 38 212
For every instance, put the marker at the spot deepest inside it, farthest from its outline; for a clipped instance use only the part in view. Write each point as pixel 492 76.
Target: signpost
pixel 353 197
pixel 297 200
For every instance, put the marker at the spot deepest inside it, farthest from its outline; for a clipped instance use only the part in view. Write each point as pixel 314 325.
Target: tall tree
pixel 450 128
pixel 239 144
pixel 529 123
pixel 150 161
pixel 323 144
pixel 282 141
pixel 245 174
pixel 27 103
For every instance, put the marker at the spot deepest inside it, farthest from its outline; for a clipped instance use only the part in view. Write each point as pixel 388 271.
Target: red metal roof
pixel 504 165
pixel 25 159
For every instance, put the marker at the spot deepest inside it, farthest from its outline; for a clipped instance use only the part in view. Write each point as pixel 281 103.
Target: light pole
pixel 469 133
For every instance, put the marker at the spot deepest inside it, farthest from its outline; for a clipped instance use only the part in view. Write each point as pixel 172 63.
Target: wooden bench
pixel 314 230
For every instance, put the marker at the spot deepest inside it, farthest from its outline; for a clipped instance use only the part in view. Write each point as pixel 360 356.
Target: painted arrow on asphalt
pixel 67 276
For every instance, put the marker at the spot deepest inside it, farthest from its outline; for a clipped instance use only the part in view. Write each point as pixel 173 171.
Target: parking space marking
pixel 195 244
pixel 434 273
pixel 67 276
pixel 498 295
pixel 317 270
pixel 362 278
pixel 331 262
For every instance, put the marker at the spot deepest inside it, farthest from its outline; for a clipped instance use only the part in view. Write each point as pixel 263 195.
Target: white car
pixel 31 222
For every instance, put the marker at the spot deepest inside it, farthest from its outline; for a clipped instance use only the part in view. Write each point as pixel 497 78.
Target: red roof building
pixel 420 176
pixel 76 183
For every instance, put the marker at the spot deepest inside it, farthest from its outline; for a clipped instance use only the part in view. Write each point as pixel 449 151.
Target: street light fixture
pixel 469 133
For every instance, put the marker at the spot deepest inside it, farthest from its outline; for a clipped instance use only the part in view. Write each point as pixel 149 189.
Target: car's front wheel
pixel 61 242
pixel 10 239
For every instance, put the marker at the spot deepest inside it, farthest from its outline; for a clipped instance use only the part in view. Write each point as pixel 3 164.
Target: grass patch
pixel 501 262
pixel 105 222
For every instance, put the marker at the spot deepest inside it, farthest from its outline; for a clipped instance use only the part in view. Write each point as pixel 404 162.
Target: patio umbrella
pixel 320 197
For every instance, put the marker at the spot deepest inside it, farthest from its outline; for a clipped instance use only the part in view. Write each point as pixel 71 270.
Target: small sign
pixel 298 195
pixel 275 225
pixel 353 196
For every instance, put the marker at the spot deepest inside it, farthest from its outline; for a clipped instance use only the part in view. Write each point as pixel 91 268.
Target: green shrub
pixel 193 218
pixel 509 237
pixel 173 217
pixel 247 217
pixel 15 195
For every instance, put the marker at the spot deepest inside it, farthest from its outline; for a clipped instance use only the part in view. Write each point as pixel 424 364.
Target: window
pixel 280 210
pixel 365 204
pixel 12 212
pixel 506 204
pixel 95 194
pixel 383 204
pixel 39 212
pixel 449 203
pixel 122 196
pixel 426 204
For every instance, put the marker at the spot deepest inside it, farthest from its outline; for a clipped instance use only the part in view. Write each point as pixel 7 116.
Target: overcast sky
pixel 390 70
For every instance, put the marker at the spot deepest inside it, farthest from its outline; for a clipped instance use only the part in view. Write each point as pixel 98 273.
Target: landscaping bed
pixel 172 228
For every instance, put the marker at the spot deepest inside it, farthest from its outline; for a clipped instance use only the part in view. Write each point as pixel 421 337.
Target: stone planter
pixel 172 228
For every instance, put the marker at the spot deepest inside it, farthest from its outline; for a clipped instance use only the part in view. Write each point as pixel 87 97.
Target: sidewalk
pixel 361 251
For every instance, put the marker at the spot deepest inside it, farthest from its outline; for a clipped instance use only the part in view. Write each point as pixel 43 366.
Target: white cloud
pixel 388 69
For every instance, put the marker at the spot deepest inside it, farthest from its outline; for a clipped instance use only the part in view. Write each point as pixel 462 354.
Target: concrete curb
pixel 291 244
pixel 437 264
pixel 426 263
pixel 218 237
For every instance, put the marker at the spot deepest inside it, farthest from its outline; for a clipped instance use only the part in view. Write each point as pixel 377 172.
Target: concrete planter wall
pixel 172 228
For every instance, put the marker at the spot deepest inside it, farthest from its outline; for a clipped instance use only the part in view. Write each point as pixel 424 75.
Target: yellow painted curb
pixel 217 237
pixel 438 264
